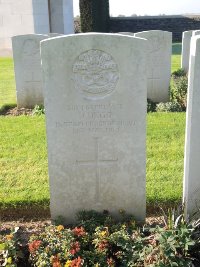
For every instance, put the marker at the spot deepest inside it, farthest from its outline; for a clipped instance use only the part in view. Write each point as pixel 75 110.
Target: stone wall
pixel 19 17
pixel 174 24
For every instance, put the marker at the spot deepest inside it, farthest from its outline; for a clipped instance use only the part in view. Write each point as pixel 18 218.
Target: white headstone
pixel 191 193
pixel 196 32
pixel 159 64
pixel 28 73
pixel 186 38
pixel 127 33
pixel 95 103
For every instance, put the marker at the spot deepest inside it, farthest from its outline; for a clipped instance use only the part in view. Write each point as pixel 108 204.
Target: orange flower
pixel 75 247
pixel 77 262
pixel 79 231
pixel 34 246
pixel 9 237
pixel 60 227
pixel 56 261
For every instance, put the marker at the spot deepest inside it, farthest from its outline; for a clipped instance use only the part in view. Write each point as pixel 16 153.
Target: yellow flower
pixel 9 237
pixel 60 227
pixel 9 260
pixel 68 263
pixel 103 233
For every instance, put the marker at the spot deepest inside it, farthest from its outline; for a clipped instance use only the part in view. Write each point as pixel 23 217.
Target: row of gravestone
pixel 29 89
pixel 186 40
pixel 95 90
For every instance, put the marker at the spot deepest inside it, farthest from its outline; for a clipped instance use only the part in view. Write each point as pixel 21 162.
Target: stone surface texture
pixel 95 103
pixel 20 17
pixel 186 38
pixel 62 20
pixel 191 185
pixel 197 32
pixel 159 64
pixel 28 72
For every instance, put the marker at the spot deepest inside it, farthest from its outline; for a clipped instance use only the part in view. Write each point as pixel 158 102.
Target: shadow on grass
pixel 41 210
pixel 6 107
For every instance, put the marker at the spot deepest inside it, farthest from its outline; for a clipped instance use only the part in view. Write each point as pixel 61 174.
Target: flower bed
pixel 98 240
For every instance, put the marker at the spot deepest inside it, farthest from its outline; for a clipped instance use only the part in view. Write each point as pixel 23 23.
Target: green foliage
pixel 169 107
pixel 151 106
pixel 9 248
pixel 178 93
pixel 94 15
pixel 179 86
pixel 166 248
pixel 86 15
pixel 38 110
pixel 178 73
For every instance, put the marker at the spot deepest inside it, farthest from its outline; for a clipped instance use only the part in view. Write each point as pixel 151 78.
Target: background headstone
pixel 159 64
pixel 186 38
pixel 191 192
pixel 28 73
pixel 196 32
pixel 95 104
pixel 127 33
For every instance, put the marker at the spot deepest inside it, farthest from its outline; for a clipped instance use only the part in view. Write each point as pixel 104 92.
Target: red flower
pixel 103 245
pixel 79 231
pixel 77 262
pixel 110 262
pixel 34 246
pixel 75 247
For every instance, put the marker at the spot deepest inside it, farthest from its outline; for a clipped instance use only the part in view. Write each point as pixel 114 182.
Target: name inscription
pixel 95 119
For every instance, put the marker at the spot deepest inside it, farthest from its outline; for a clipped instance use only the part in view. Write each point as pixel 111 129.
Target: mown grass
pixel 23 159
pixel 176 56
pixel 7 82
pixel 165 154
pixel 23 154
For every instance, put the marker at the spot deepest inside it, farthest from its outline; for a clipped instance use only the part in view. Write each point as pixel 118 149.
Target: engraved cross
pixel 97 163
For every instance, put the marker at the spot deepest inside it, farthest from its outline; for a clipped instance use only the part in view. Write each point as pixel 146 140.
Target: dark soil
pixel 16 111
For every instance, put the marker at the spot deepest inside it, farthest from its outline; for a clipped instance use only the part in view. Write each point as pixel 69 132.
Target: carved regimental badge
pixel 95 73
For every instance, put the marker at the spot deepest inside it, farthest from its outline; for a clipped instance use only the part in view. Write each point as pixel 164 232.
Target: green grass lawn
pixel 165 154
pixel 23 155
pixel 176 56
pixel 23 159
pixel 7 82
